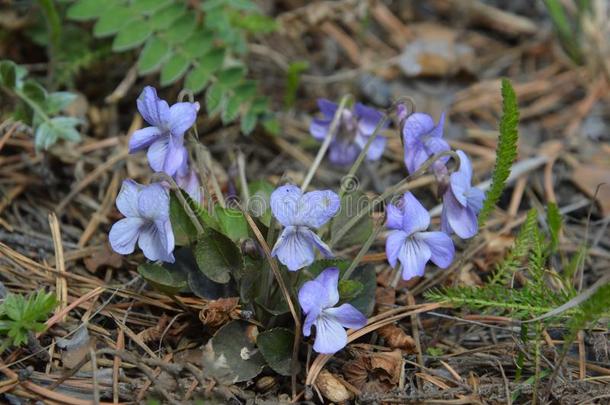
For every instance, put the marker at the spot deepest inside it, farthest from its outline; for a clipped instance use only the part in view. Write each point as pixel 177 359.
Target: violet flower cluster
pixel 355 128
pixel 409 243
pixel 146 208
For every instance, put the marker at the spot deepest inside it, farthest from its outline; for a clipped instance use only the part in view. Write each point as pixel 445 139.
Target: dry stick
pixel 116 365
pixel 8 134
pixel 390 193
pixel 286 293
pixel 207 161
pixel 326 143
pixel 60 265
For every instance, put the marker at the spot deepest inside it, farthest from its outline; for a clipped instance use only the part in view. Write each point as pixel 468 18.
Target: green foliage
pixel 162 279
pixel 276 347
pixel 506 151
pixel 352 204
pixel 218 257
pixel 174 40
pixel 591 310
pixel 39 108
pixel 293 79
pixel 20 315
pixel 530 253
pixel 568 28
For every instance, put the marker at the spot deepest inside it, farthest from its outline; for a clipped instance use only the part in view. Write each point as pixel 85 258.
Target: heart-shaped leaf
pixel 276 347
pixel 217 256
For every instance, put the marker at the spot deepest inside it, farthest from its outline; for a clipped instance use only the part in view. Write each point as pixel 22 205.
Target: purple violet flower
pixel 188 181
pixel 146 210
pixel 461 202
pixel 300 213
pixel 318 298
pixel 422 139
pixel 355 128
pixel 410 244
pixel 165 137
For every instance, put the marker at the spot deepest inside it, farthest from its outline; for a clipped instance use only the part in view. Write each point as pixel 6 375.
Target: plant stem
pixel 365 248
pixel 326 143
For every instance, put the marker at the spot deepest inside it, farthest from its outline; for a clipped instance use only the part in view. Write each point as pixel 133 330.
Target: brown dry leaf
pixel 385 298
pixel 375 372
pixel 588 177
pixel 436 51
pixel 218 312
pixel 396 338
pixel 332 388
pixel 103 257
pixel 75 349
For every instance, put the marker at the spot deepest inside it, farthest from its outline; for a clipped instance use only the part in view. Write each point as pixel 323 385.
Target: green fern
pixel 20 315
pixel 207 52
pixel 506 151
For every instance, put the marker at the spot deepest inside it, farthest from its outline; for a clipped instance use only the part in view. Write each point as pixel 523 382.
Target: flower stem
pixel 326 143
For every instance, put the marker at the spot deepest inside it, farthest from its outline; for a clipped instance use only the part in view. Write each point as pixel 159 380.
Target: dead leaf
pixel 155 332
pixel 103 257
pixel 396 338
pixel 218 312
pixel 332 388
pixel 374 371
pixel 385 298
pixel 436 51
pixel 76 348
pixel 588 177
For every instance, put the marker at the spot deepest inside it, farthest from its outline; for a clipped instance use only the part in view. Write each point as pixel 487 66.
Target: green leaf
pixel 197 79
pixel 212 61
pixel 173 70
pixel 181 29
pixel 34 91
pixel 155 52
pixel 231 109
pixel 260 200
pixel 58 101
pixel 214 98
pixel 349 289
pixel 230 356
pixel 217 256
pixel 352 204
pixel 199 43
pixel 232 223
pixel 184 230
pixel 131 36
pixel 246 90
pixel 248 122
pixel 45 136
pixel 554 220
pixel 506 151
pixel 364 301
pixel 276 347
pixel 231 76
pixel 246 5
pixel 162 19
pixel 162 279
pixel 82 10
pixel 113 19
pixel 256 23
pixel 8 74
pixel 293 79
pixel 319 266
pixel 65 128
pixel 148 7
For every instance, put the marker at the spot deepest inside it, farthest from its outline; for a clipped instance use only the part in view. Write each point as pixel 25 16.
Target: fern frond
pixel 506 151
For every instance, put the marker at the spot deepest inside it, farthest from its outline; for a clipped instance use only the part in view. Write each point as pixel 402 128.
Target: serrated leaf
pixel 232 223
pixel 199 43
pixel 506 151
pixel 217 256
pixel 181 29
pixel 162 19
pixel 58 101
pixel 197 79
pixel 276 347
pixel 231 76
pixel 174 69
pixel 112 20
pixel 82 10
pixel 248 122
pixel 352 205
pixel 155 52
pixel 148 7
pixel 214 98
pixel 231 109
pixel 162 279
pixel 131 36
